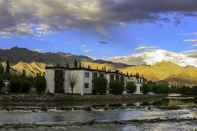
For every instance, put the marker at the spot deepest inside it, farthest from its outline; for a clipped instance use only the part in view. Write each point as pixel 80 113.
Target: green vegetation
pixel 158 88
pixel 116 87
pixel 20 84
pixel 100 86
pixel 148 87
pixel 185 90
pixel 40 84
pixel 1 69
pixel 131 87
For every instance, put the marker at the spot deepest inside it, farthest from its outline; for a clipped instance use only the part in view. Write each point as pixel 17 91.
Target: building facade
pixel 80 80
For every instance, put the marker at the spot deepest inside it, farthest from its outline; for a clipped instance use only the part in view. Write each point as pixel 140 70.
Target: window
pixel 86 85
pixel 87 74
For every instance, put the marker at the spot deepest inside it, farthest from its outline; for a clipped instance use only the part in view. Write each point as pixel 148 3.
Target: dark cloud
pixel 19 16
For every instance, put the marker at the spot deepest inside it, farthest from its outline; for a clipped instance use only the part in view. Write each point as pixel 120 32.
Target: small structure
pixel 66 80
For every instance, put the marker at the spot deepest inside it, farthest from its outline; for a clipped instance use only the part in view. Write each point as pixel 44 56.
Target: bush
pixel 1 82
pixel 1 69
pixel 15 84
pixel 158 88
pixel 161 88
pixel 20 84
pixel 116 87
pixel 148 87
pixel 131 87
pixel 100 86
pixel 194 90
pixel 40 84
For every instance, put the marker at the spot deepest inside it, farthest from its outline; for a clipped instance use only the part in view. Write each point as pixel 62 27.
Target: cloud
pixel 42 16
pixel 191 53
pixel 87 50
pixel 145 48
pixel 191 40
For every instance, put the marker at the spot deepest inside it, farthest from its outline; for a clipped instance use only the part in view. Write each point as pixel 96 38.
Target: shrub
pixel 15 84
pixel 161 88
pixel 194 90
pixel 1 69
pixel 116 87
pixel 148 87
pixel 100 85
pixel 40 84
pixel 20 84
pixel 1 82
pixel 131 87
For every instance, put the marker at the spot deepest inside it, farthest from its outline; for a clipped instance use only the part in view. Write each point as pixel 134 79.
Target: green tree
pixel 131 87
pixel 1 82
pixel 15 84
pixel 148 87
pixel 116 87
pixel 100 85
pixel 161 88
pixel 26 84
pixel 1 69
pixel 7 69
pixel 40 84
pixel 20 84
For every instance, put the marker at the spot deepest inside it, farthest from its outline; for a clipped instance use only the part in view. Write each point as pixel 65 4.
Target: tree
pixel 161 88
pixel 26 84
pixel 72 81
pixel 147 87
pixel 116 87
pixel 1 82
pixel 7 68
pixel 131 87
pixel 20 84
pixel 194 90
pixel 15 85
pixel 75 63
pixel 1 69
pixel 40 84
pixel 100 85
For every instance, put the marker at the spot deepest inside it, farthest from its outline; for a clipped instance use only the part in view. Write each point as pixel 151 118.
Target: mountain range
pixel 153 65
pixel 153 56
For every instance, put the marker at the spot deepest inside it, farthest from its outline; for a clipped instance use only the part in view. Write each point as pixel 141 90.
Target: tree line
pixel 20 84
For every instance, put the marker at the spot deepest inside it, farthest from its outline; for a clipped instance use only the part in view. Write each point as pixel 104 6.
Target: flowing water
pixel 169 114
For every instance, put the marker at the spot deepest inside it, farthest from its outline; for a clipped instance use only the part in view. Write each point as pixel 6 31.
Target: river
pixel 169 114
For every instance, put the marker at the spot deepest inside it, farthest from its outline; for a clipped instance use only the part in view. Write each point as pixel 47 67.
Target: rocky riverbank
pixel 44 102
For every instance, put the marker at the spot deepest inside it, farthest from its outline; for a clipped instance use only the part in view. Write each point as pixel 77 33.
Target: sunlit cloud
pixel 145 48
pixel 42 16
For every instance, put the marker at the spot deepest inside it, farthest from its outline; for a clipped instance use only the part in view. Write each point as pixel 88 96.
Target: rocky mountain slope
pixel 34 63
pixel 15 55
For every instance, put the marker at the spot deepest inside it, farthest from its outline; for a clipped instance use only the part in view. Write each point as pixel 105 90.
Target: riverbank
pixel 10 102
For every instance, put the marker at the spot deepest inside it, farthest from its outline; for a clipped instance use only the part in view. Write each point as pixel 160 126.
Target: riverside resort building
pixel 78 80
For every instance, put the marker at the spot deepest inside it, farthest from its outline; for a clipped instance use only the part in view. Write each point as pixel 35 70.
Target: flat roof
pixel 89 69
pixel 83 68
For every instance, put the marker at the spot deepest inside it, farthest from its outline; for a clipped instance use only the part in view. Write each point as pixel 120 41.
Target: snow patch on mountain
pixel 150 57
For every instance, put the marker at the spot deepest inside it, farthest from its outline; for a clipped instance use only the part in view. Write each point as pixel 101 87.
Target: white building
pixel 80 80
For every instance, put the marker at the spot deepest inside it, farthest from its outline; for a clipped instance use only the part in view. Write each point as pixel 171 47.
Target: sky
pixel 98 28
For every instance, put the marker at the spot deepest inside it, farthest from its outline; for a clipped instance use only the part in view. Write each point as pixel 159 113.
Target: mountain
pixel 150 57
pixel 15 55
pixel 165 71
pixel 184 72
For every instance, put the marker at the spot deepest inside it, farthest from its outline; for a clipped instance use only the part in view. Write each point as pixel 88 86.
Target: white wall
pixel 50 80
